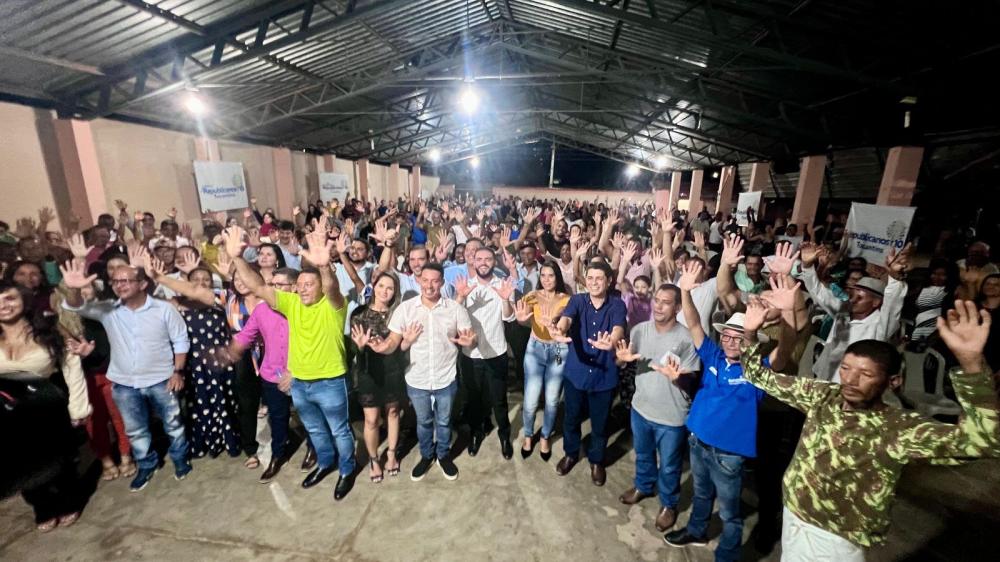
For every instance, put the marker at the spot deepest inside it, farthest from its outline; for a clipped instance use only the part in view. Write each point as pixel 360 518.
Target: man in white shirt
pixel 490 302
pixel 430 327
pixel 871 313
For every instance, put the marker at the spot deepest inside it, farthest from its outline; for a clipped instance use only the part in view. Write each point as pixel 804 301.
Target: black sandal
pixel 392 471
pixel 376 478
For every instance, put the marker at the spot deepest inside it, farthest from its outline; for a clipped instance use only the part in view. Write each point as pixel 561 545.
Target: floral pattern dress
pixel 209 398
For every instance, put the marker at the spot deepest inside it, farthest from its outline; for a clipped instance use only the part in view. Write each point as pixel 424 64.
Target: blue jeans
pixel 134 404
pixel 433 408
pixel 578 404
pixel 542 370
pixel 717 473
pixel 278 412
pixel 666 441
pixel 322 407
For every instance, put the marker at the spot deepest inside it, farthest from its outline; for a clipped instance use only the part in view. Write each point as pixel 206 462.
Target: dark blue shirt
pixel 589 368
pixel 724 411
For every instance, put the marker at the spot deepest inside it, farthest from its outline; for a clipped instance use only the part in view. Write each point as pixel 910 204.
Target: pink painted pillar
pixel 362 178
pixel 415 182
pixel 675 189
pixel 78 153
pixel 899 180
pixel 206 149
pixel 724 199
pixel 393 188
pixel 694 200
pixel 811 170
pixel 760 176
pixel 284 183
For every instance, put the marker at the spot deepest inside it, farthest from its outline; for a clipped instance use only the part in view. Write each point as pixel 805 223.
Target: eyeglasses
pixel 123 281
pixel 273 284
pixel 728 338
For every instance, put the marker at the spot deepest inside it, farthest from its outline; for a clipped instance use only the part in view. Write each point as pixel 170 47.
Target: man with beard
pixel 490 302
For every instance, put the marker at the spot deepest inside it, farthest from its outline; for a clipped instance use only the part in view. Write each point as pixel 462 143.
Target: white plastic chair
pixel 928 403
pixel 813 348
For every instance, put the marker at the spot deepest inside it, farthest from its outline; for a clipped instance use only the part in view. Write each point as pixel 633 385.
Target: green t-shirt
pixel 315 337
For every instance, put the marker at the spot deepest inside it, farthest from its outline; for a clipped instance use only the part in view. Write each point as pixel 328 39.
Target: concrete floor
pixel 497 510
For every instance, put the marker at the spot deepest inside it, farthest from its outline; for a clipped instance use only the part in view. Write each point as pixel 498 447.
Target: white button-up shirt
pixel 433 356
pixel 486 310
pixel 880 325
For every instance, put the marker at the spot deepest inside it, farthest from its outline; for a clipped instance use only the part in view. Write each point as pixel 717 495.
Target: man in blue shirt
pixel 723 425
pixel 149 346
pixel 592 323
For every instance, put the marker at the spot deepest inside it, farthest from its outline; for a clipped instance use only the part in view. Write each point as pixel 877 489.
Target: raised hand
pixel 342 243
pixel 186 262
pixel 233 237
pixel 505 290
pixel 185 231
pixel 122 206
pixel 25 227
pixel 46 215
pixel 624 353
pixel 360 336
pixel 808 252
pixel 656 258
pixel 671 369
pixel 80 347
pixel 224 264
pixel 731 249
pixel 78 247
pixel 464 338
pixel 75 276
pixel 784 292
pixel 755 315
pixel 583 249
pixel 296 211
pixel 898 263
pixel 462 287
pixel 618 240
pixel 412 331
pixel 603 341
pixel 253 237
pixel 689 275
pixel 318 252
pixel 629 250
pixel 965 332
pixel 784 259
pixel 172 213
pixel 523 311
pixel 153 266
pixel 699 240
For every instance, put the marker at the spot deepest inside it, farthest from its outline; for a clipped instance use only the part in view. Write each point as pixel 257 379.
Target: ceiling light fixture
pixel 434 155
pixel 632 170
pixel 474 162
pixel 195 105
pixel 468 99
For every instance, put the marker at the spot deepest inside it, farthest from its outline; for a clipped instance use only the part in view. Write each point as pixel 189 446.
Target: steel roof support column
pixel 899 179
pixel 807 193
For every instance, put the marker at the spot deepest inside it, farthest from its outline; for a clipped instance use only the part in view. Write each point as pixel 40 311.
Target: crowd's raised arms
pixel 769 341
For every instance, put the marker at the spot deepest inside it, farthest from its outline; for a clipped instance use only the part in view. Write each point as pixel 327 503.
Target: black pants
pixel 486 390
pixel 35 432
pixel 778 428
pixel 248 402
pixel 517 340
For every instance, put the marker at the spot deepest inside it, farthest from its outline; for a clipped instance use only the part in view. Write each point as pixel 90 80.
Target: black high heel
pixel 392 471
pixel 525 453
pixel 376 478
pixel 545 455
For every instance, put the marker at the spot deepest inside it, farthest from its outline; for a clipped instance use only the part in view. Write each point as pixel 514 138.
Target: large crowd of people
pixel 694 327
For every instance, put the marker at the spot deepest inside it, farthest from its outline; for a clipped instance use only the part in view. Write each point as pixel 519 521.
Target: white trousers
pixel 804 542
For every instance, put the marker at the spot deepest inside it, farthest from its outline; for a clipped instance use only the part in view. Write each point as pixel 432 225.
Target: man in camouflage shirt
pixel 841 483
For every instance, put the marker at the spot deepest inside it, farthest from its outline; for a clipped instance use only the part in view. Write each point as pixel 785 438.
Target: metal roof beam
pixel 175 64
pixel 793 61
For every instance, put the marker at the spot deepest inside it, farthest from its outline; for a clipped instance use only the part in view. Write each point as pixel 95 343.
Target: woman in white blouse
pixel 31 346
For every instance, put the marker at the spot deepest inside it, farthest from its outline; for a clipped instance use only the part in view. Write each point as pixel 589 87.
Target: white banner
pixel 221 185
pixel 747 199
pixel 876 228
pixel 333 186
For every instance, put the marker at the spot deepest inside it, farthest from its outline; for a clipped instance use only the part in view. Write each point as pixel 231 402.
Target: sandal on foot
pixel 46 526
pixel 262 412
pixel 127 468
pixel 68 520
pixel 252 462
pixel 376 478
pixel 392 470
pixel 110 472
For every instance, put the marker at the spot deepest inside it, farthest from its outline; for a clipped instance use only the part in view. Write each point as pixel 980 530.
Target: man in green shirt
pixel 316 357
pixel 839 488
